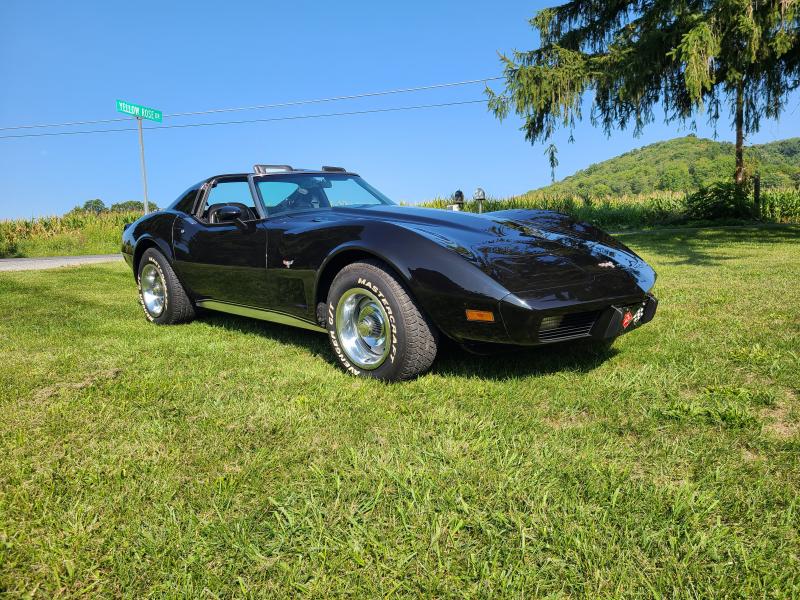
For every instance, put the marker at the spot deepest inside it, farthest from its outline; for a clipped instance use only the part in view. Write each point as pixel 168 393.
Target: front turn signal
pixel 486 316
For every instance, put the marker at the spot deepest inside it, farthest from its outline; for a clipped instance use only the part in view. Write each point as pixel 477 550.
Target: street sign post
pixel 140 112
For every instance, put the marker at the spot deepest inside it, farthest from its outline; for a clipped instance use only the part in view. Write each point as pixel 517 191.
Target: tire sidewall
pixel 152 258
pixel 372 281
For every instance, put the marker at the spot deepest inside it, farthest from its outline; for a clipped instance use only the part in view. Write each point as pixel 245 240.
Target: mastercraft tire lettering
pixel 375 328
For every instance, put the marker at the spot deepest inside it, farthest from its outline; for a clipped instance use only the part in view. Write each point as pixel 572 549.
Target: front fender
pixel 443 283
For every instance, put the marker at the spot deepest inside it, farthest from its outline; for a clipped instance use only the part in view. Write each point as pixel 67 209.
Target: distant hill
pixel 682 164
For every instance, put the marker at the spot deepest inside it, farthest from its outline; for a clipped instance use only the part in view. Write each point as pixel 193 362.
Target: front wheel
pixel 375 328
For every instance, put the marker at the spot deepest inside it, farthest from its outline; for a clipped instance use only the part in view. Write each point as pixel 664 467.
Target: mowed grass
pixel 230 457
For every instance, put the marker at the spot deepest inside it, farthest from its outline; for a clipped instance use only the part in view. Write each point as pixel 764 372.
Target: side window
pixel 230 192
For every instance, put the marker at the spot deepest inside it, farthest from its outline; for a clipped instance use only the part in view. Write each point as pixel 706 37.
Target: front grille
pixel 566 327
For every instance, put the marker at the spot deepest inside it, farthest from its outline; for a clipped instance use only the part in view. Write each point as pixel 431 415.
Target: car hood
pixel 526 249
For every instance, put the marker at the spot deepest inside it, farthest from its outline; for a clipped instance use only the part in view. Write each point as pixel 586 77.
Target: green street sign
pixel 136 110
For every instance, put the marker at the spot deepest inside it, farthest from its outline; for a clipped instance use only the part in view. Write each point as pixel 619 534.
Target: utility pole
pixel 144 169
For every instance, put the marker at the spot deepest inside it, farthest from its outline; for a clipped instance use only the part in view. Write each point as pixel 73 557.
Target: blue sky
pixel 63 61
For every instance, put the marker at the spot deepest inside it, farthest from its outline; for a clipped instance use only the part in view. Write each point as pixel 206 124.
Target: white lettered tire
pixel 374 327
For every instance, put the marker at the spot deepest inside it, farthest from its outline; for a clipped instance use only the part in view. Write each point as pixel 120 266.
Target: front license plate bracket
pixel 616 320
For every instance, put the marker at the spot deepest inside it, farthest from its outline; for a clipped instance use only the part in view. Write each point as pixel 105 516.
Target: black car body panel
pixel 544 276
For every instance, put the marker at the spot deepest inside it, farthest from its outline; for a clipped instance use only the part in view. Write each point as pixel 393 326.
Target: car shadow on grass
pixel 451 360
pixel 316 343
pixel 516 362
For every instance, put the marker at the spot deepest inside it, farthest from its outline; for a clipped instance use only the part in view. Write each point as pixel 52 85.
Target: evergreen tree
pixel 688 55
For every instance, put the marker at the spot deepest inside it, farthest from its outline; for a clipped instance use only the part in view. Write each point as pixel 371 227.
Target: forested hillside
pixel 682 164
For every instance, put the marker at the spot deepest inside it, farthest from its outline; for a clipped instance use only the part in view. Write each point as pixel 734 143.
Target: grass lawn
pixel 231 457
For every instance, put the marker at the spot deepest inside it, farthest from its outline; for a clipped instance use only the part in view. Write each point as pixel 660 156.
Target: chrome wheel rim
pixel 153 291
pixel 362 327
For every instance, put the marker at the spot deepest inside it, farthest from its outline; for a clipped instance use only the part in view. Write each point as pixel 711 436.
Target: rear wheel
pixel 375 328
pixel 162 296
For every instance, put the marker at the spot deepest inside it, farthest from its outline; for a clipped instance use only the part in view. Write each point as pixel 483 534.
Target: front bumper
pixel 600 320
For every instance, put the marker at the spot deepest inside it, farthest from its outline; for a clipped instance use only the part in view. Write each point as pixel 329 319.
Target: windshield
pixel 298 191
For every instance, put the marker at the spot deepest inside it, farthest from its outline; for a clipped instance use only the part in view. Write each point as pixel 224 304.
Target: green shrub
pixel 720 200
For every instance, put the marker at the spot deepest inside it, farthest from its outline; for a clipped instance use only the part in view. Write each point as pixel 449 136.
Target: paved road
pixel 52 262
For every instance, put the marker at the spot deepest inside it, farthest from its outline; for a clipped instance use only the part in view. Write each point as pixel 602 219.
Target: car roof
pixel 287 170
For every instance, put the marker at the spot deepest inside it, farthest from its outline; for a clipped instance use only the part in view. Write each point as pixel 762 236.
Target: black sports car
pixel 326 251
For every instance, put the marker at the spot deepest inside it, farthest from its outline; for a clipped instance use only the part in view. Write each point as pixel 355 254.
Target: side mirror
pixel 229 214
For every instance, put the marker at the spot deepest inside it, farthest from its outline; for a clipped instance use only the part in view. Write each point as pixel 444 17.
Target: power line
pixel 263 106
pixel 71 123
pixel 267 120
pixel 336 98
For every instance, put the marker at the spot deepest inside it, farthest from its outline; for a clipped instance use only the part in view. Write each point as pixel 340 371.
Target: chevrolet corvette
pixel 326 251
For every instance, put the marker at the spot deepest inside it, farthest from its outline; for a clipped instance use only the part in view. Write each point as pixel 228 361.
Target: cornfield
pixel 780 206
pixel 633 211
pixel 76 232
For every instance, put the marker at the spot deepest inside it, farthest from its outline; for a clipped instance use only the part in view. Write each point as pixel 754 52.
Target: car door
pixel 302 230
pixel 224 261
pixel 298 240
pixel 293 259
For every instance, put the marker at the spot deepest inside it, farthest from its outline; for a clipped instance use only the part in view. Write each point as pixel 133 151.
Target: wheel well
pixel 339 262
pixel 137 254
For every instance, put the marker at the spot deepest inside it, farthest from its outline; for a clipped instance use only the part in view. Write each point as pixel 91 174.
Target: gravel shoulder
pixel 53 262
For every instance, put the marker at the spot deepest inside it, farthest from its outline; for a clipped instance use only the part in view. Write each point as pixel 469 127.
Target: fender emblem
pixel 606 265
pixel 288 263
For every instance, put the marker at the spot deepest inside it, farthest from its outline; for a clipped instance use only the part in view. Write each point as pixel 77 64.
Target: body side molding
pixel 259 313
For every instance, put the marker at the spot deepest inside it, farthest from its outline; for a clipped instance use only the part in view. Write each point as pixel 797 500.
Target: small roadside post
pixel 479 196
pixel 140 112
